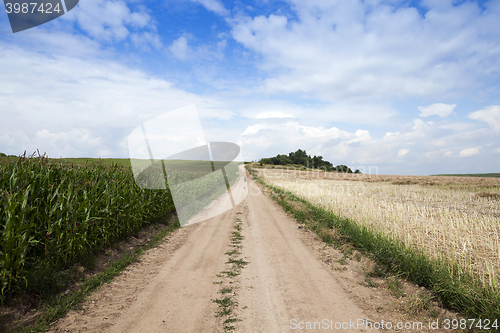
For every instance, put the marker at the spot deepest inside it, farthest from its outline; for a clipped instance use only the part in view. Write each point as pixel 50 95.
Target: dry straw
pixel 444 220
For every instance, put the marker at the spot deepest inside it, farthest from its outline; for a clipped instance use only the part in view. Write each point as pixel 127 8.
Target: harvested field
pixel 474 184
pixel 455 218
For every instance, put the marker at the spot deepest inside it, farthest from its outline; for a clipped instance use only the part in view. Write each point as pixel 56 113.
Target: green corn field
pixel 209 185
pixel 52 214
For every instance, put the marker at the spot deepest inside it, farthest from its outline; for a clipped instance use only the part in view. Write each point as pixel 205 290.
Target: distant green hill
pixel 472 175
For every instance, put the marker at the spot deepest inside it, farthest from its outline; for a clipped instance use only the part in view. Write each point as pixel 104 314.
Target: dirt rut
pixel 285 286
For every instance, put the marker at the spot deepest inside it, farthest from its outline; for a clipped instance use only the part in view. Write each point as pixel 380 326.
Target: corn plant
pixel 54 214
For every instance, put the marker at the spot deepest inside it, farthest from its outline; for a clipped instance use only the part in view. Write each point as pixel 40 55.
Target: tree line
pixel 300 157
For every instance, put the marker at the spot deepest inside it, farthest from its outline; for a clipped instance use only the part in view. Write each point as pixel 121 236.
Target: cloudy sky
pixel 410 87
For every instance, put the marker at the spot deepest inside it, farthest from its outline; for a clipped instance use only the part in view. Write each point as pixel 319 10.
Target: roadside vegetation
pixel 444 239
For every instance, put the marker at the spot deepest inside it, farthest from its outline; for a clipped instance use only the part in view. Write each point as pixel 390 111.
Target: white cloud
pixel 99 102
pixel 469 152
pixel 14 142
pixel 439 142
pixel 437 109
pixel 293 129
pixel 322 133
pixel 334 144
pixel 221 46
pixel 359 114
pixel 101 23
pixel 431 154
pixel 362 49
pixel 272 114
pixel 490 115
pixel 432 145
pixel 74 143
pixel 180 48
pixel 391 136
pixel 214 6
pixel 253 129
pixel 420 125
pixel 69 100
pixel 145 39
pixel 362 136
pixel 403 152
pixel 293 133
pixel 108 20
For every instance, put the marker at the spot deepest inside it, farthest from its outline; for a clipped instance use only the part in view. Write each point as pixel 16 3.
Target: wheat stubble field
pixel 451 218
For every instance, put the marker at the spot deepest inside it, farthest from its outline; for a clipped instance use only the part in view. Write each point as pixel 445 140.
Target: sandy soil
pixel 291 278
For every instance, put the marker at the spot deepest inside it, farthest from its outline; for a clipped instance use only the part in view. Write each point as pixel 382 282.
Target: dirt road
pixel 284 286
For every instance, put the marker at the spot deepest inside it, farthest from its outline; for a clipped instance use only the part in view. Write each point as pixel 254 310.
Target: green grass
pixel 227 303
pixel 239 263
pixel 226 290
pixel 460 292
pixel 233 252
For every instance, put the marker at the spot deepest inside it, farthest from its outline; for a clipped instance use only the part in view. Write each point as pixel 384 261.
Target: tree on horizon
pixel 300 157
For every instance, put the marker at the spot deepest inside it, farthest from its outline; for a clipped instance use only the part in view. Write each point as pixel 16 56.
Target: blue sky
pixel 411 87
